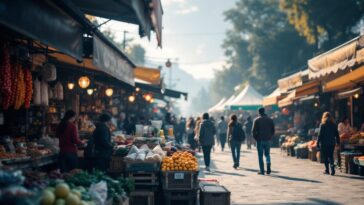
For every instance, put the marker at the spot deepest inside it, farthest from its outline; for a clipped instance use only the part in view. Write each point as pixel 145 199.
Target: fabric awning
pixel 292 81
pixel 346 81
pixel 287 100
pixel 150 75
pixel 349 93
pixel 156 89
pixel 309 88
pixel 247 99
pixel 338 59
pixel 146 14
pixel 272 99
pixel 112 61
pixel 46 22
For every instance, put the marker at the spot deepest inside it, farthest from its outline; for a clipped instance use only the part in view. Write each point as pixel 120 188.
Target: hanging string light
pixel 131 98
pixel 70 85
pixel 84 82
pixel 109 92
pixel 90 91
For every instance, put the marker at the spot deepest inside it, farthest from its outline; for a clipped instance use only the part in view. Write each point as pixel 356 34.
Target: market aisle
pixel 293 181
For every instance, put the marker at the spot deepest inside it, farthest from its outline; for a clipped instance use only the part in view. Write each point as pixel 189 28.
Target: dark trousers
pixel 67 161
pixel 263 149
pixel 102 163
pixel 222 141
pixel 327 153
pixel 207 155
pixel 191 141
pixel 235 151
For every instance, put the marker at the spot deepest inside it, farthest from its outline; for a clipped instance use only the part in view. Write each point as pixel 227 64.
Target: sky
pixel 193 32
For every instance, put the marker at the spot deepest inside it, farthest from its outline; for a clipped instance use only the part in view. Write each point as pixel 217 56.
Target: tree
pixel 137 54
pixel 260 47
pixel 324 23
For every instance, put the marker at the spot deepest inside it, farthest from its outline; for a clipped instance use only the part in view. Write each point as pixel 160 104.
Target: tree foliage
pixel 271 38
pixel 325 23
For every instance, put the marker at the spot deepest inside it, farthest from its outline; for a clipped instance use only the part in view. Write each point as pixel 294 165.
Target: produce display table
pixel 33 163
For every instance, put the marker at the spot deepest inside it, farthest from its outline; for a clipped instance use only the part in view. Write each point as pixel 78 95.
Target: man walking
pixel 206 138
pixel 263 131
pixel 222 131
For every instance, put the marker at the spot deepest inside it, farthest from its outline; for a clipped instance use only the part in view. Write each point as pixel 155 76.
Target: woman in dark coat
pixel 102 143
pixel 327 139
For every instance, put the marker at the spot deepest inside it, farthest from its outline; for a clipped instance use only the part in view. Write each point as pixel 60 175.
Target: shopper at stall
pixel 206 138
pixel 68 141
pixel 327 139
pixel 190 127
pixel 197 132
pixel 344 128
pixel 236 137
pixel 248 132
pixel 222 127
pixel 102 143
pixel 263 131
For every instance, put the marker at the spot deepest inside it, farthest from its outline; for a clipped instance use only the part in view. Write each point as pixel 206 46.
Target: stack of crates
pixel 180 187
pixel 214 195
pixel 146 181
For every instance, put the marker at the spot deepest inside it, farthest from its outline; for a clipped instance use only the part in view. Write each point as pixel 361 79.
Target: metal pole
pixel 124 41
pixel 170 77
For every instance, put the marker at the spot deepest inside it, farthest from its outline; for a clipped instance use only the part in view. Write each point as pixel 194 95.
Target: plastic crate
pixel 142 167
pixel 179 180
pixel 214 195
pixel 144 178
pixel 117 164
pixel 180 197
pixel 141 198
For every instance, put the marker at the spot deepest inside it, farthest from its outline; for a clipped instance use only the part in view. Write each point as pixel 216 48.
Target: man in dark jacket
pixel 102 143
pixel 206 138
pixel 263 131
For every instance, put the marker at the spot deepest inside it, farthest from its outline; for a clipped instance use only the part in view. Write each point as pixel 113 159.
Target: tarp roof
pixel 248 97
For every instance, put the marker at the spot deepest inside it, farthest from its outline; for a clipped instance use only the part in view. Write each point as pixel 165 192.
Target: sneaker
pixel 268 169
pixel 208 169
pixel 261 173
pixel 326 172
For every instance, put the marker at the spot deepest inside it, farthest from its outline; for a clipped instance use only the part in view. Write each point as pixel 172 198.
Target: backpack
pixel 238 133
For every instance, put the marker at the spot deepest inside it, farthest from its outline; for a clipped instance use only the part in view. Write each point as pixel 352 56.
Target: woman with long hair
pixel 190 127
pixel 327 139
pixel 68 141
pixel 236 137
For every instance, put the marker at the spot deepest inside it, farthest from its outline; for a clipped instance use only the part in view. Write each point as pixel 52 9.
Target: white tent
pixel 212 109
pixel 248 99
pixel 221 108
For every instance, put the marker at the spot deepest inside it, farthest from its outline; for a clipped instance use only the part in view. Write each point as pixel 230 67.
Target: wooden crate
pixel 144 167
pixel 117 164
pixel 144 178
pixel 180 197
pixel 179 180
pixel 141 198
pixel 214 195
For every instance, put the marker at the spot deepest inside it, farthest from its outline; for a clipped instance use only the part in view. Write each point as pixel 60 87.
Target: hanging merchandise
pixel 5 71
pixel 51 94
pixel 59 91
pixel 49 72
pixel 44 93
pixel 28 88
pixel 20 91
pixel 14 84
pixel 37 98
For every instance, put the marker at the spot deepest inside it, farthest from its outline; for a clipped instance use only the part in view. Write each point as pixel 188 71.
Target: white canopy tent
pixel 212 109
pixel 248 99
pixel 221 108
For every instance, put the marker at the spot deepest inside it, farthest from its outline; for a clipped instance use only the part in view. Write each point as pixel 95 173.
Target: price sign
pixel 179 176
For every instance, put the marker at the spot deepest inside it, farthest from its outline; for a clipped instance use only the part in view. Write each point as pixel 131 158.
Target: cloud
pixel 187 10
pixel 200 49
pixel 170 2
pixel 205 70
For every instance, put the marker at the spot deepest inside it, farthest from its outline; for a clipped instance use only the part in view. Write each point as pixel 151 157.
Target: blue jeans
pixel 235 151
pixel 263 148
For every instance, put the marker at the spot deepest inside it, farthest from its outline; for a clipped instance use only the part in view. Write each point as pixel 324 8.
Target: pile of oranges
pixel 180 161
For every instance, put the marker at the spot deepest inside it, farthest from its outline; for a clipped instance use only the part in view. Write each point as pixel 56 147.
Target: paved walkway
pixel 293 181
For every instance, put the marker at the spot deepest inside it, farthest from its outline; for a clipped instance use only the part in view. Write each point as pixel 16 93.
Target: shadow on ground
pixel 217 172
pixel 255 170
pixel 310 201
pixel 294 178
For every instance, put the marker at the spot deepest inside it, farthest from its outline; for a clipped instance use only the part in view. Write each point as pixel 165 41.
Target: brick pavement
pixel 293 181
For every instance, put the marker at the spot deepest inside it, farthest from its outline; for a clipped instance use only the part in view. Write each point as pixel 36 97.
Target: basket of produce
pixel 180 171
pixel 144 159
